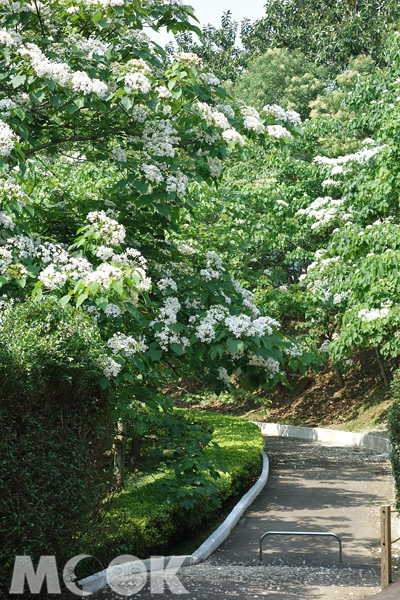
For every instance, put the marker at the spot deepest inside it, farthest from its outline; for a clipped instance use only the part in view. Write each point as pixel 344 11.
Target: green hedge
pixel 394 432
pixel 54 430
pixel 143 523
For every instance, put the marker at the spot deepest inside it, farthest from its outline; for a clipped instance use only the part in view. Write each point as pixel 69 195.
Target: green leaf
pixel 103 382
pixel 64 300
pixel 81 298
pixel 118 287
pixel 177 348
pixel 18 80
pixel 234 345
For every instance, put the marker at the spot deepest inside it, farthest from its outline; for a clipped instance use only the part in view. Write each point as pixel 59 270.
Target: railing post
pixel 386 547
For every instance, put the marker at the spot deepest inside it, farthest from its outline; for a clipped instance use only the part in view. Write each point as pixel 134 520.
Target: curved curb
pixel 232 519
pixel 342 438
pixel 95 582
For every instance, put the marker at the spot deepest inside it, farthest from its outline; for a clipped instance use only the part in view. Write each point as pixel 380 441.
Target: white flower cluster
pixel 325 346
pixel 163 92
pixel 248 298
pixel 91 45
pixel 9 190
pixel 294 350
pixel 226 110
pixel 214 268
pixel 251 119
pixel 61 73
pixel 137 36
pixel 152 173
pixel 336 164
pixel 7 38
pixel 138 81
pixel 331 182
pixel 111 231
pixel 215 166
pixel 243 324
pixel 159 138
pixel 104 3
pixel 7 139
pixel 373 314
pixel 185 249
pixel 338 298
pixel 223 375
pixel 212 116
pixel 6 221
pixel 112 310
pixel 209 78
pixel 271 365
pixel 188 57
pixel 168 315
pixel 166 283
pixel 278 132
pixel 118 154
pixel 205 329
pixel 139 113
pixel 323 210
pixel 6 259
pixel 231 136
pixel 125 344
pixel 6 105
pixel 110 367
pixel 279 113
pixel 177 184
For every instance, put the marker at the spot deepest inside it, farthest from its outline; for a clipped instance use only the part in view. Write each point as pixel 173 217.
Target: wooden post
pixel 386 547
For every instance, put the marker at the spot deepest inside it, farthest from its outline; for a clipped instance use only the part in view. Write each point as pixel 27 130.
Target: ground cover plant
pixel 143 521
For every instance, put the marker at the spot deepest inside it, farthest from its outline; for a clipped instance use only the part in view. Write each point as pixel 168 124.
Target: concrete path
pixel 315 487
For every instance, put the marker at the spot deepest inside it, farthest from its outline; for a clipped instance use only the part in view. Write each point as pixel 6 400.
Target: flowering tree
pixel 101 135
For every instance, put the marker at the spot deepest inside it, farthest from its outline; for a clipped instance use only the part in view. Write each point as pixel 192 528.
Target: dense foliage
pixel 281 77
pixel 329 33
pixel 394 431
pixel 54 430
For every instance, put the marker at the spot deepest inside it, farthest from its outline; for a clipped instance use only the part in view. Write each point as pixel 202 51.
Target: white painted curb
pixel 232 519
pixel 99 580
pixel 341 438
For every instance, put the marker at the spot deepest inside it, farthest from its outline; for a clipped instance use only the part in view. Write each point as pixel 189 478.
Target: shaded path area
pixel 315 487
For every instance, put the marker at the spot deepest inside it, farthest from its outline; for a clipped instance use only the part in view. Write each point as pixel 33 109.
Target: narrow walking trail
pixel 313 486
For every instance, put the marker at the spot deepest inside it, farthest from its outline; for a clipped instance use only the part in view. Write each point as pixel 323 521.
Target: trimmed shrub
pixel 143 522
pixel 394 432
pixel 54 430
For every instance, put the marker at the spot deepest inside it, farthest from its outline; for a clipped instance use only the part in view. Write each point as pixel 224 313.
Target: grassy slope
pixel 316 400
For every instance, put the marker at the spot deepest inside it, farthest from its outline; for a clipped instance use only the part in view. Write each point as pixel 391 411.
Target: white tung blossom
pixel 110 367
pixel 223 375
pixel 372 314
pixel 287 116
pixel 231 136
pixel 278 132
pixel 215 166
pixel 111 231
pixel 7 139
pixel 124 344
pixel 152 173
pixel 251 119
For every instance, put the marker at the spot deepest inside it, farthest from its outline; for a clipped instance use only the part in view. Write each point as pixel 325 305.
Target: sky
pixel 210 11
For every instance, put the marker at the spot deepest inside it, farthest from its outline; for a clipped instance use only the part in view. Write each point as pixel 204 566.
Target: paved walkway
pixel 314 487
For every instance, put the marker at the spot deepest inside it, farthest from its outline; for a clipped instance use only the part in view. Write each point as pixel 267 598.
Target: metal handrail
pixel 312 533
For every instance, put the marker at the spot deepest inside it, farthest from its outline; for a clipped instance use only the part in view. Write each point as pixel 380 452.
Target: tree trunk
pixel 339 377
pixel 134 453
pixel 382 368
pixel 119 454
